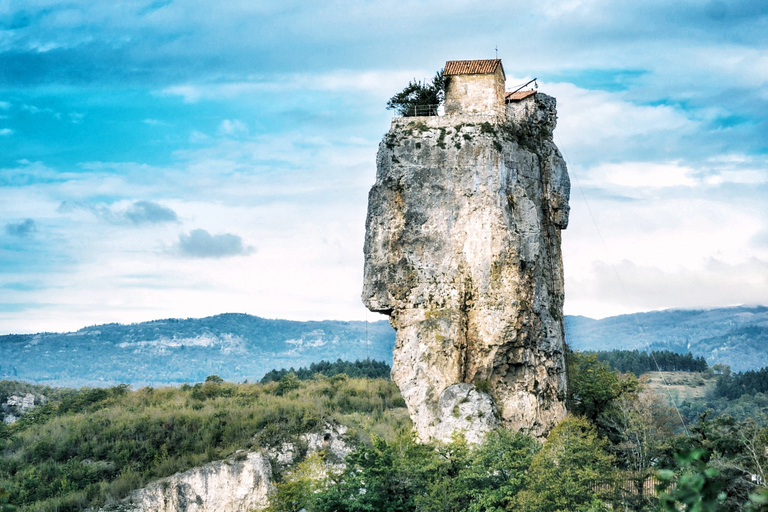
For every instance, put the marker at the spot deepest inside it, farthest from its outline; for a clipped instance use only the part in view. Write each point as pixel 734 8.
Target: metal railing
pixel 419 110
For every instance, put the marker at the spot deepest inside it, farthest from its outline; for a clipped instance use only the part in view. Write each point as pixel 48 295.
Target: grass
pixel 94 446
pixel 682 385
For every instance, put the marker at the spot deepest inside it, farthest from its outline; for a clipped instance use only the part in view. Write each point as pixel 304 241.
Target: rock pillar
pixel 462 251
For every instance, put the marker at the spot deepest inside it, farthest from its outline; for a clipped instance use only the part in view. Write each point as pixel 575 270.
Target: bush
pixel 567 473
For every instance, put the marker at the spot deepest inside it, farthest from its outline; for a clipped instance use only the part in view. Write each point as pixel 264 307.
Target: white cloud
pixel 34 110
pixel 642 288
pixel 595 126
pixel 559 8
pixel 136 213
pixel 4 132
pixel 378 83
pixel 233 128
pixel 747 177
pixel 641 175
pixel 735 168
pixel 742 65
pixel 197 137
pixel 148 212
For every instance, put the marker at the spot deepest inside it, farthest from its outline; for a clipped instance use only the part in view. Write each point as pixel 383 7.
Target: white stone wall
pixel 475 94
pixel 447 121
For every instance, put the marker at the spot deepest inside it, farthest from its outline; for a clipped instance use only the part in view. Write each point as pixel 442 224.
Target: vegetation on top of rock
pixel 420 98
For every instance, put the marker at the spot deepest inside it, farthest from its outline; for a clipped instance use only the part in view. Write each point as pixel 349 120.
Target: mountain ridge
pixel 238 346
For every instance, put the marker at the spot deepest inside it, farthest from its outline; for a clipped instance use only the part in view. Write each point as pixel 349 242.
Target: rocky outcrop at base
pixel 239 484
pixel 16 406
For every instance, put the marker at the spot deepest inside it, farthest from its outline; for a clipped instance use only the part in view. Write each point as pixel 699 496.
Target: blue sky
pixel 180 158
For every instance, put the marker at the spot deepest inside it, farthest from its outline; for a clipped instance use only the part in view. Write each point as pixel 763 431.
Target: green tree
pixel 420 98
pixel 593 386
pixel 573 471
pixel 383 476
pixel 447 486
pixel 641 423
pixel 288 383
pixel 498 470
pixel 4 506
pixel 758 502
pixel 453 477
pixel 736 450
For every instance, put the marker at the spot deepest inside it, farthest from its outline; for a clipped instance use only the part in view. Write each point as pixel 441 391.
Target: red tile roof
pixel 518 95
pixel 472 67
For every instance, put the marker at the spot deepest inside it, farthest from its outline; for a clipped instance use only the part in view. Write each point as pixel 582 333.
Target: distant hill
pixel 233 346
pixel 238 346
pixel 736 336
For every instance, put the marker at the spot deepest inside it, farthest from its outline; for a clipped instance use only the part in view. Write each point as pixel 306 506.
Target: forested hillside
pixel 240 347
pixel 84 447
pixel 174 351
pixel 733 336
pixel 640 362
pixel 80 448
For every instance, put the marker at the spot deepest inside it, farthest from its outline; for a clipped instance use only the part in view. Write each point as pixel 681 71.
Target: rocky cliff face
pixel 240 484
pixel 16 406
pixel 462 251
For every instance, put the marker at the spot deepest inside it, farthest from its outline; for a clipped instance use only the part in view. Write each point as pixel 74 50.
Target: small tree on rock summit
pixel 420 98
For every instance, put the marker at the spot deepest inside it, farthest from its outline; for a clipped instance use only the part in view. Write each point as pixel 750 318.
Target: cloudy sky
pixel 182 158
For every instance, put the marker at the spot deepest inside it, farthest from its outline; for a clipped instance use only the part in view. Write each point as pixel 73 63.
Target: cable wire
pixel 621 283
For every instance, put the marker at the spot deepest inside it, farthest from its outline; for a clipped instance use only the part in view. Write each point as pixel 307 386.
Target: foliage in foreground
pixel 99 444
pixel 607 458
pixel 404 475
pixel 93 445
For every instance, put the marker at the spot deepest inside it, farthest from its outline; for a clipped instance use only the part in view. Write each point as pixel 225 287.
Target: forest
pixel 623 447
pixel 639 361
pixel 367 368
pixel 734 386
